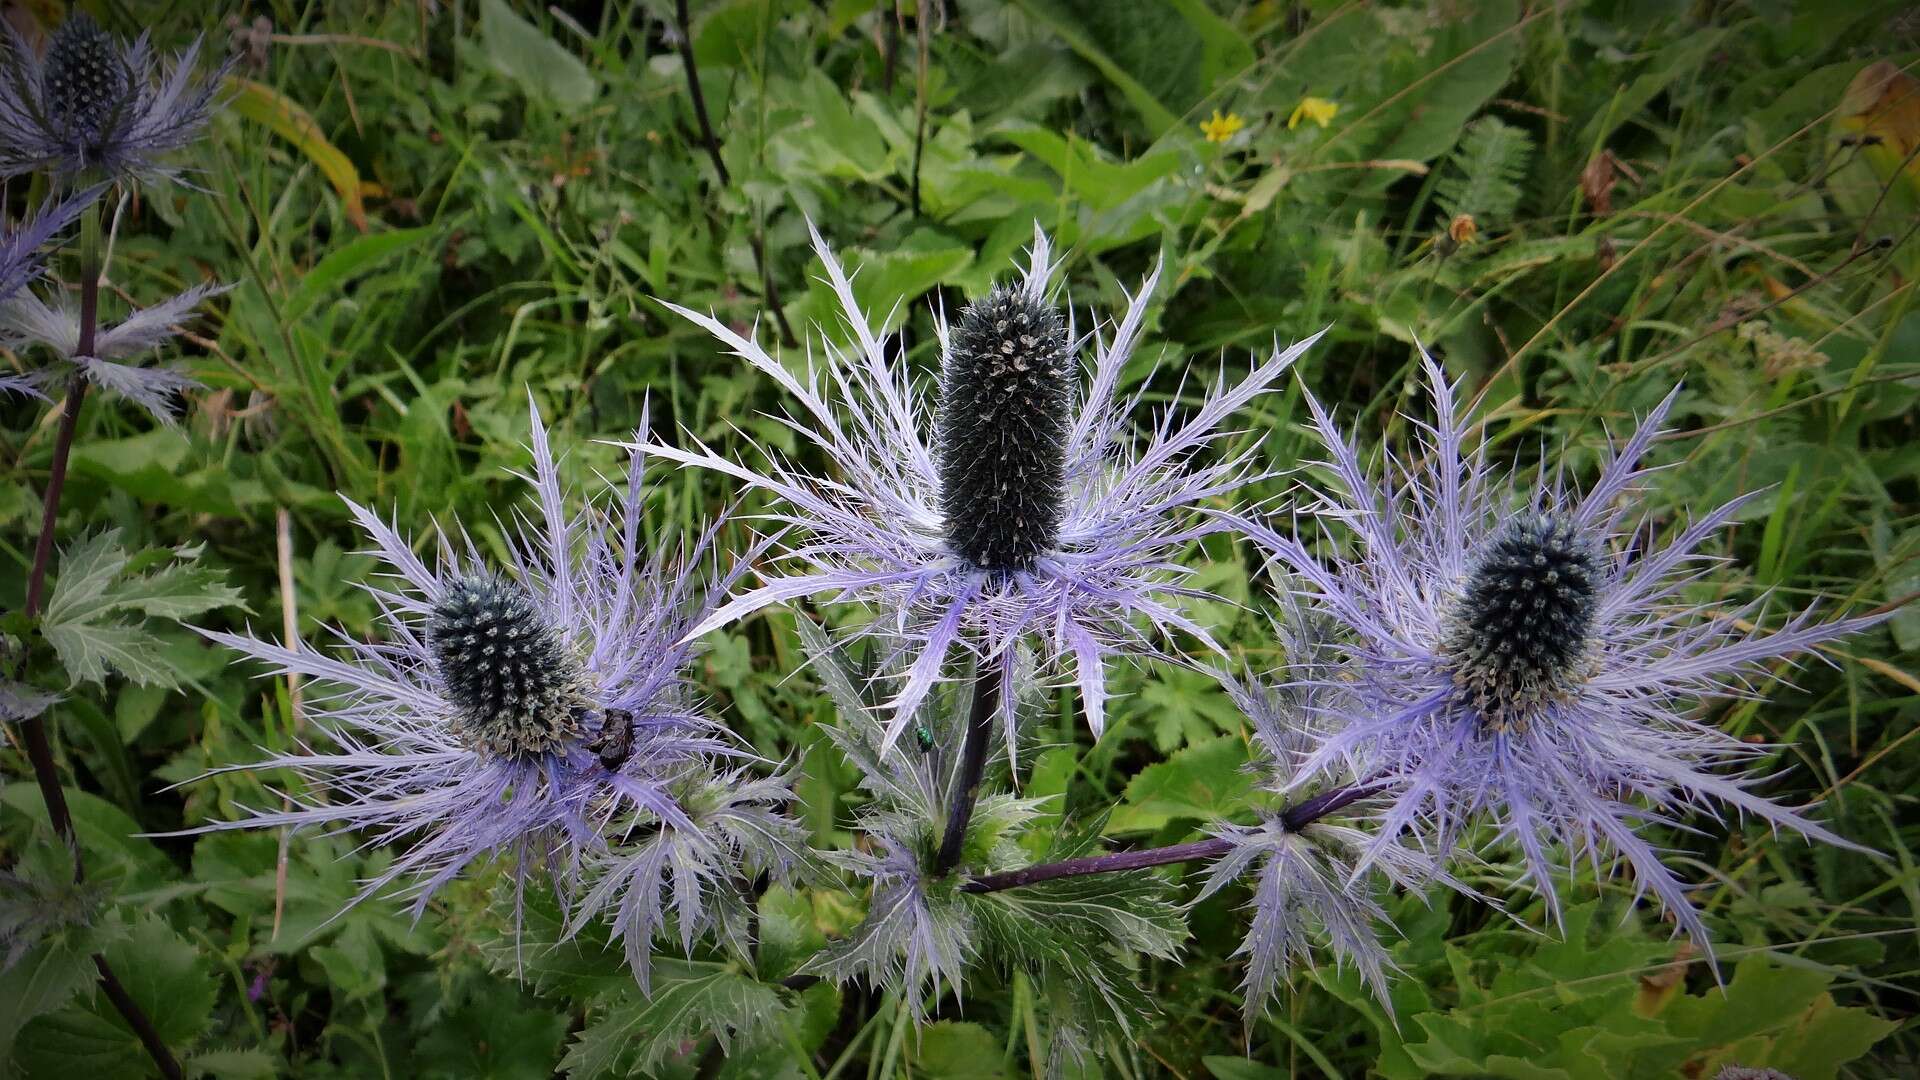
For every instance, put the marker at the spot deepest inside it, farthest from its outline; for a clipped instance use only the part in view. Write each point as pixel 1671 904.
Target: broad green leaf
pixel 538 63
pixel 349 260
pixel 163 973
pixel 946 1050
pixel 1203 782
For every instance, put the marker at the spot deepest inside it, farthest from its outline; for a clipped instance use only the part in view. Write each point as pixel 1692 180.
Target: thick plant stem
pixel 1295 819
pixel 711 143
pixel 973 762
pixel 33 732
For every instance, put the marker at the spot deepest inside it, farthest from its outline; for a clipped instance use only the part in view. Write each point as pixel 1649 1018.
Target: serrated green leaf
pixel 163 973
pixel 690 1001
pixel 178 591
pixel 87 567
pixel 234 1065
pixel 45 979
pixel 90 650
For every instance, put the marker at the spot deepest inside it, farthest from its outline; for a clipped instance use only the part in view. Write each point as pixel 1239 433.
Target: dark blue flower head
pixel 1517 635
pixel 539 714
pixel 1535 666
pixel 92 105
pixel 1016 510
pixel 1006 400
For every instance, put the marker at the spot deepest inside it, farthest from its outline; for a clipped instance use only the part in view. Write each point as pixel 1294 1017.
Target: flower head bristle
pixel 516 685
pixel 1005 400
pixel 85 79
pixel 1517 635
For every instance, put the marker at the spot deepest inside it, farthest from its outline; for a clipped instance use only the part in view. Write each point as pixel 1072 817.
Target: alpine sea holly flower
pixel 93 105
pixel 1016 512
pixel 28 320
pixel 1532 663
pixel 538 712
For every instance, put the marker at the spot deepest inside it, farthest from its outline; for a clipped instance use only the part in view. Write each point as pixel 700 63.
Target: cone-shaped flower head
pixel 1531 663
pixel 538 712
pixel 1006 394
pixel 1517 636
pixel 92 104
pixel 514 683
pixel 1012 512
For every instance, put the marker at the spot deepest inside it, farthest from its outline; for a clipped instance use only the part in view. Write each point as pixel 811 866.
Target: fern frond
pixel 1484 172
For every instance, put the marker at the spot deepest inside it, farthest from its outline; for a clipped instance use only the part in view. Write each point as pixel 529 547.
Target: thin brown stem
pixel 973 762
pixel 924 27
pixel 33 732
pixel 711 143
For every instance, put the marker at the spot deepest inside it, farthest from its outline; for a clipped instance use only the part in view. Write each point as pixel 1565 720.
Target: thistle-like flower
pixel 1532 664
pixel 26 319
pixel 1016 513
pixel 538 712
pixel 93 105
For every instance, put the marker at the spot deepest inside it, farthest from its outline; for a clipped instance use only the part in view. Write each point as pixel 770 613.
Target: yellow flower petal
pixel 1219 128
pixel 1318 110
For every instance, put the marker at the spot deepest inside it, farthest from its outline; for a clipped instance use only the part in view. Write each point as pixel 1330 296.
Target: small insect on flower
pixel 95 106
pixel 537 712
pixel 1531 664
pixel 1012 511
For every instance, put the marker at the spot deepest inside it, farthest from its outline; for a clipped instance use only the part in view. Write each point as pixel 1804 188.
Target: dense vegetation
pixel 437 215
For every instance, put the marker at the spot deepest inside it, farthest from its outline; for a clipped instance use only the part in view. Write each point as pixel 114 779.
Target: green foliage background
pixel 433 210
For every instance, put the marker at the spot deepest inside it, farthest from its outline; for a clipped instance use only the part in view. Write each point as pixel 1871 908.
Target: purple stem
pixel 1294 820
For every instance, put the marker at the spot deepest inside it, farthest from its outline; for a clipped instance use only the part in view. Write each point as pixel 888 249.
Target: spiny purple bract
pixel 84 81
pixel 513 679
pixel 1517 635
pixel 1004 406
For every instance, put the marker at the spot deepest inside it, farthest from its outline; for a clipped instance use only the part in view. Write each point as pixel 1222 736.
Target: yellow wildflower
pixel 1318 110
pixel 1218 128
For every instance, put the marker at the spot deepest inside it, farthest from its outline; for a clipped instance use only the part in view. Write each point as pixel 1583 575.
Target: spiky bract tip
pixel 1005 396
pixel 1517 636
pixel 515 684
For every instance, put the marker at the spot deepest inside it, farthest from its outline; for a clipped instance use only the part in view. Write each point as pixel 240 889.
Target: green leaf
pixel 690 1001
pixel 97 579
pixel 107 834
pixel 538 63
pixel 344 263
pixel 46 978
pixel 86 569
pixel 956 1051
pixel 234 1065
pixel 163 973
pixel 1204 782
